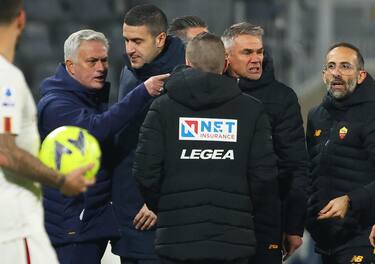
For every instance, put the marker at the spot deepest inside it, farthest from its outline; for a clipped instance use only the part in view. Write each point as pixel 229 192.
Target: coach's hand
pixel 290 244
pixel 145 219
pixel 372 236
pixel 336 208
pixel 154 85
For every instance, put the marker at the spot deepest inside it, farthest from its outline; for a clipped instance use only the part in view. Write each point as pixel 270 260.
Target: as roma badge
pixel 342 133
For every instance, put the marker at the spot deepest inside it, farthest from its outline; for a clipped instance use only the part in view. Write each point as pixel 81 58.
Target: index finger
pixel 326 215
pixel 163 76
pixel 138 217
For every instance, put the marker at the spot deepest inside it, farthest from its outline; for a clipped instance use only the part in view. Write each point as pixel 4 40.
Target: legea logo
pixel 208 129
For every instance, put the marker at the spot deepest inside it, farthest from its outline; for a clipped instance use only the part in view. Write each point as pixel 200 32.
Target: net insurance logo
pixel 208 129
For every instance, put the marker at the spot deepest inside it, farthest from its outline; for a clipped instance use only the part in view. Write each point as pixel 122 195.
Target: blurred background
pixel 298 32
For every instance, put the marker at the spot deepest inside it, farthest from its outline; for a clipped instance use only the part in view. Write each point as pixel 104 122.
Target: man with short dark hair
pixel 151 55
pixel 253 69
pixel 23 238
pixel 187 27
pixel 205 161
pixel 341 143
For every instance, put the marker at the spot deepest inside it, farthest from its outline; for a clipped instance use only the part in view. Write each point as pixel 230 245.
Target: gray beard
pixel 351 85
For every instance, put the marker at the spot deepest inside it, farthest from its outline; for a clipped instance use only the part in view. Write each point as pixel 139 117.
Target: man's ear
pixel 361 76
pixel 21 20
pixel 227 56
pixel 323 78
pixel 160 40
pixel 187 62
pixel 226 64
pixel 69 67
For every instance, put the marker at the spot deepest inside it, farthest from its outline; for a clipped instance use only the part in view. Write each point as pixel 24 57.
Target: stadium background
pixel 298 32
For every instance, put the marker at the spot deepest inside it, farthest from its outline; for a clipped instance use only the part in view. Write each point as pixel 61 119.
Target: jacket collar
pixel 200 90
pixel 62 81
pixel 173 54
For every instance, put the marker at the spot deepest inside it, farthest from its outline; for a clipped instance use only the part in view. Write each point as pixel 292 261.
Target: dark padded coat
pixel 127 200
pixel 65 101
pixel 341 144
pixel 206 191
pixel 283 109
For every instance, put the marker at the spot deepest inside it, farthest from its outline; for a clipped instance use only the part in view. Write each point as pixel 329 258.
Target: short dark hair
pixel 9 9
pixel 147 15
pixel 182 23
pixel 206 52
pixel 360 60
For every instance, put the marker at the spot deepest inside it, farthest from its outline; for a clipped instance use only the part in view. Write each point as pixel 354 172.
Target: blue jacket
pixel 127 199
pixel 66 102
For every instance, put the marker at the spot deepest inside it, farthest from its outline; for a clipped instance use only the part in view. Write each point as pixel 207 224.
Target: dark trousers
pixel 65 253
pixel 267 254
pixel 360 255
pixel 139 261
pixel 82 253
pixel 207 261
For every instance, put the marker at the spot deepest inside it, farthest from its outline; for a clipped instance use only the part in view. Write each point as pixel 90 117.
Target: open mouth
pixel 99 78
pixel 134 58
pixel 337 84
pixel 254 70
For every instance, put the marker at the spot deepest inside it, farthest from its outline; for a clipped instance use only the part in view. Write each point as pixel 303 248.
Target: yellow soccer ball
pixel 68 147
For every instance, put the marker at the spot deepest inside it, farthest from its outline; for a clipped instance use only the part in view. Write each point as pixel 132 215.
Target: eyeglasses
pixel 344 68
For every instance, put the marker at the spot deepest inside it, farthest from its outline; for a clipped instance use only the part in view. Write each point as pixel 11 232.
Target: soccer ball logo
pixel 67 148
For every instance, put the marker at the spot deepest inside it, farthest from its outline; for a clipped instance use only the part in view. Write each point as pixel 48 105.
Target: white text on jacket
pixel 205 154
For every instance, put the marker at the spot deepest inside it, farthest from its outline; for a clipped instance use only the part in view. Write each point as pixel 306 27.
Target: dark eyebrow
pixel 253 50
pixel 133 39
pixel 96 58
pixel 343 62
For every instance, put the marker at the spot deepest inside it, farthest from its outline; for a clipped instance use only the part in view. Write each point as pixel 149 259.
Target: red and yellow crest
pixel 342 132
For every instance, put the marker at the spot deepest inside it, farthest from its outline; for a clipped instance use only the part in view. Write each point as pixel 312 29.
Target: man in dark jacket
pixel 149 52
pixel 77 95
pixel 255 75
pixel 341 144
pixel 204 161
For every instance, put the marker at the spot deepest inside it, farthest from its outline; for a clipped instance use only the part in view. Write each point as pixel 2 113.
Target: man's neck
pixel 8 40
pixel 232 74
pixel 157 55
